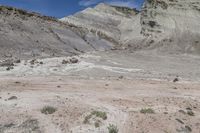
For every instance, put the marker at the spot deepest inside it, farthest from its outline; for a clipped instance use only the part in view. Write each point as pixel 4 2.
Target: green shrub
pixel 112 129
pixel 190 112
pixel 48 110
pixel 100 114
pixel 97 124
pixel 87 118
pixel 147 111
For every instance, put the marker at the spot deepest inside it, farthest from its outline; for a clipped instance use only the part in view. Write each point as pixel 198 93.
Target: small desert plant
pixel 152 23
pixel 112 129
pixel 87 118
pixel 100 114
pixel 147 111
pixel 190 112
pixel 48 110
pixel 97 124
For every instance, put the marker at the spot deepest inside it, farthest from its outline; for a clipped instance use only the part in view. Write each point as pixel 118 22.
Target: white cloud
pixel 89 2
pixel 122 3
pixel 126 3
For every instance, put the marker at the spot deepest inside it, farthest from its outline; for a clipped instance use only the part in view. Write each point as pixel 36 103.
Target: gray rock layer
pixel 25 35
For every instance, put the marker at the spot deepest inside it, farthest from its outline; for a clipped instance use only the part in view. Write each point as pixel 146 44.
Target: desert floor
pixel 133 91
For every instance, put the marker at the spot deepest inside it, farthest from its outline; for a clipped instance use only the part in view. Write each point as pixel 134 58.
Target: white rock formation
pixel 118 23
pixel 171 26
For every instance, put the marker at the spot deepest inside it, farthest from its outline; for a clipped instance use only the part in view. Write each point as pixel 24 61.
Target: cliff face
pixel 172 25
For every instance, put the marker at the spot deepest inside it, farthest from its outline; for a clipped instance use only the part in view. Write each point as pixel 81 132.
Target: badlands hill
pixel 120 24
pixel 171 26
pixel 163 25
pixel 24 34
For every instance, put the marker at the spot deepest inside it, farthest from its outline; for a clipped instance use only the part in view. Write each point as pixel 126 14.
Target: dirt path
pixel 121 99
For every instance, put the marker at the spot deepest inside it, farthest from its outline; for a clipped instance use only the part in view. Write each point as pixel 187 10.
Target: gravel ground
pixel 135 91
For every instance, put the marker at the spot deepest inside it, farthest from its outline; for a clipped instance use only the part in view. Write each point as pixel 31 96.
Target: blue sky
pixel 61 8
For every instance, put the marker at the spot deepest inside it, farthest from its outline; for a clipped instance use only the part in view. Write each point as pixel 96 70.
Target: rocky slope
pixel 171 26
pixel 26 35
